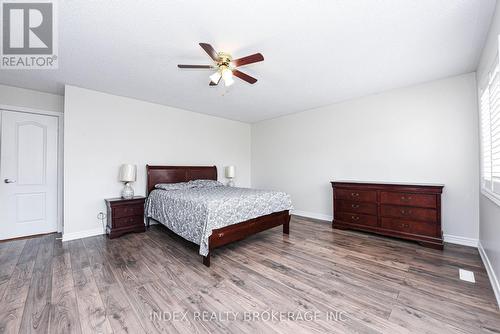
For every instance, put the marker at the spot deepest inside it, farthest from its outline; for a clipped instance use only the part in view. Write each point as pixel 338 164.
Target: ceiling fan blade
pixel 244 77
pixel 256 57
pixel 194 66
pixel 213 83
pixel 210 50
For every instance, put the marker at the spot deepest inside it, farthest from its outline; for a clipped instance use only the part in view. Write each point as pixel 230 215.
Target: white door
pixel 28 174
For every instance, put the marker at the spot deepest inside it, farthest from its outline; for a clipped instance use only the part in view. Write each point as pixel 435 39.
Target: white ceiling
pixel 316 52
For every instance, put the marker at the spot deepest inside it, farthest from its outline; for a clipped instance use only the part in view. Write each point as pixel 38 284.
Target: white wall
pixel 422 134
pixel 489 226
pixel 20 97
pixel 103 131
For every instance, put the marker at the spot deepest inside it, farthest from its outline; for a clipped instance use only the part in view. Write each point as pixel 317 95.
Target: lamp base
pixel 230 183
pixel 127 191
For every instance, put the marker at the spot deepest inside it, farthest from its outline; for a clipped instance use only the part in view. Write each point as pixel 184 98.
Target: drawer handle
pixel 355 206
pixel 405 225
pixel 406 198
pixel 355 217
pixel 355 194
pixel 220 235
pixel 406 212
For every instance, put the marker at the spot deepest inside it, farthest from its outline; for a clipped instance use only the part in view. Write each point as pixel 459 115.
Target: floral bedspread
pixel 193 209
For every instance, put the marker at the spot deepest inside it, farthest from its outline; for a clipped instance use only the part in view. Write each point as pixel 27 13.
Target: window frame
pixel 488 185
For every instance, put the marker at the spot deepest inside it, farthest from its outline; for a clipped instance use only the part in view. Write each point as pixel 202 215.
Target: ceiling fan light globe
pixel 215 77
pixel 228 81
pixel 227 74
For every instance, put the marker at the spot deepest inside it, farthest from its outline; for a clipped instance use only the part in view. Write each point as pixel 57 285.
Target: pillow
pixel 205 183
pixel 173 186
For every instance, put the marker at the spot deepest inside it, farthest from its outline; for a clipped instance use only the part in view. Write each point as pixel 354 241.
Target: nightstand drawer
pixel 128 210
pixel 128 221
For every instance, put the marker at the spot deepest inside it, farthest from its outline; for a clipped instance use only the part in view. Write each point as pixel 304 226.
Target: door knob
pixel 9 181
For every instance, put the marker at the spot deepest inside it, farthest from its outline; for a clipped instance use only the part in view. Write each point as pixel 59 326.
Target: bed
pixel 191 203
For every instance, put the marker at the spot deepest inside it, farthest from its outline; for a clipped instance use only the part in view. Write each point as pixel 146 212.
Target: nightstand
pixel 125 215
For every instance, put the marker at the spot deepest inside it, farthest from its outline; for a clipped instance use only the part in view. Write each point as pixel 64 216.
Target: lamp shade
pixel 230 172
pixel 128 173
pixel 215 77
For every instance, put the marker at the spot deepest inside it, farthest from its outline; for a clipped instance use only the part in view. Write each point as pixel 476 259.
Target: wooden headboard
pixel 174 174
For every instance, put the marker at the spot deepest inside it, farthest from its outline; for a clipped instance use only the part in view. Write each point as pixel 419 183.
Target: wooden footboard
pixel 225 235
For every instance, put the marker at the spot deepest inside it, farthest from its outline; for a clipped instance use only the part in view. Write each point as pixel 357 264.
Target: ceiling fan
pixel 226 67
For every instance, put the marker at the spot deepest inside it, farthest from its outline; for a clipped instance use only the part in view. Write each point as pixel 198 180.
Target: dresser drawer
pixel 355 218
pixel 128 221
pixel 356 207
pixel 128 210
pixel 406 212
pixel 408 226
pixel 356 195
pixel 421 200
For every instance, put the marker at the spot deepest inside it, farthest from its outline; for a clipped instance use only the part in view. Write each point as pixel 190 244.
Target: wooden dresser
pixel 406 211
pixel 125 215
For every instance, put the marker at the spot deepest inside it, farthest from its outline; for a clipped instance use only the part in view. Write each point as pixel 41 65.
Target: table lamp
pixel 230 174
pixel 128 173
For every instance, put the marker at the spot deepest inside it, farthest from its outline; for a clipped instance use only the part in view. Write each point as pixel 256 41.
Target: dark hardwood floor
pixel 347 282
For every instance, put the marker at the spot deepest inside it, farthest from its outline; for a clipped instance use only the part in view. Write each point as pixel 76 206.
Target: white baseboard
pixel 82 234
pixel 89 233
pixel 464 241
pixel 495 284
pixel 312 215
pixel 452 239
